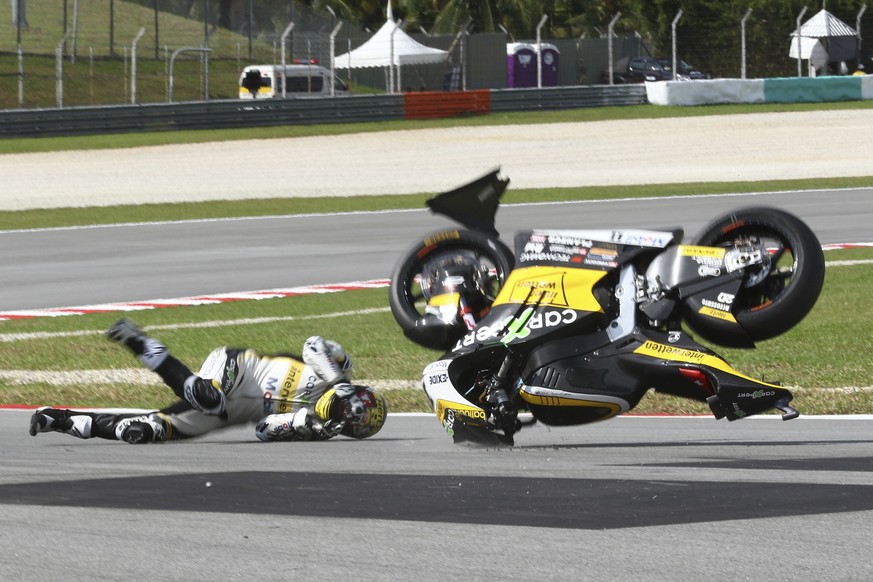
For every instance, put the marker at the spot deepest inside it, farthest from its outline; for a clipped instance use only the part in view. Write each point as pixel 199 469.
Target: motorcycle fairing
pixel 473 204
pixel 549 286
pixel 443 394
pixel 592 249
pixel 565 384
pixel 671 353
pixel 734 395
pixel 462 419
pixel 557 407
pixel 536 302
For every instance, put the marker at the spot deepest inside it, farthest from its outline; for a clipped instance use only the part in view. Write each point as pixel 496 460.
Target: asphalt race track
pixel 144 262
pixel 634 498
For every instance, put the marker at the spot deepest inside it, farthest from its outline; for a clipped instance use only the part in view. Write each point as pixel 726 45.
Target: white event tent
pixel 823 39
pixel 390 47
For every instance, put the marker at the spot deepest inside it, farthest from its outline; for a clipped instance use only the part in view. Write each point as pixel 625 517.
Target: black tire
pixel 776 303
pixel 405 296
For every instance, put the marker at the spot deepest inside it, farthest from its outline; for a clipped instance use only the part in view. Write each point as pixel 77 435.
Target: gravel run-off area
pixel 718 148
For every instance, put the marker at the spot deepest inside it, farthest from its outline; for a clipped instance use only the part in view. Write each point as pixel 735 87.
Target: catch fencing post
pixel 285 34
pixel 173 62
pixel 540 52
pixel 743 44
pixel 75 29
pixel 799 44
pixel 858 30
pixel 611 34
pixel 20 76
pixel 133 64
pixel 391 59
pixel 59 71
pixel 673 31
pixel 332 50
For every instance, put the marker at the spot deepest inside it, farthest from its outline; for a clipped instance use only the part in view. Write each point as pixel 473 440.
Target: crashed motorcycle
pixel 575 326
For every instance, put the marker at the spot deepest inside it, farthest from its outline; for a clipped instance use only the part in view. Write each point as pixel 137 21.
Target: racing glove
pixel 296 426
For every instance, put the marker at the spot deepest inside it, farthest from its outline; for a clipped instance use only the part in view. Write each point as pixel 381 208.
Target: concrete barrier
pixel 778 90
pixel 705 92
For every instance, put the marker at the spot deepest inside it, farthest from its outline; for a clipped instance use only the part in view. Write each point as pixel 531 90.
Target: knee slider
pixel 204 395
pixel 141 429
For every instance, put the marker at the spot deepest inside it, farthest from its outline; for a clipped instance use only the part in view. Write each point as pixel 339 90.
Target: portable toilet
pixel 521 64
pixel 550 65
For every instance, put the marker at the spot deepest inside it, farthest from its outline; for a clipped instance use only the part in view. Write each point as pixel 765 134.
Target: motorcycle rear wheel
pixel 407 299
pixel 782 298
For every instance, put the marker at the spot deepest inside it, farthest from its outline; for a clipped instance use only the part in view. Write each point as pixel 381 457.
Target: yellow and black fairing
pixel 562 285
pixel 535 304
pixel 561 293
pixel 566 384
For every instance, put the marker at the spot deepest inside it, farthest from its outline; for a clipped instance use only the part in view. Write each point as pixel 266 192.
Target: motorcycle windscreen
pixel 536 302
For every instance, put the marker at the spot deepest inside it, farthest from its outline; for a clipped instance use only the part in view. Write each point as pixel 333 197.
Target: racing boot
pixel 47 419
pixel 149 351
pixel 328 359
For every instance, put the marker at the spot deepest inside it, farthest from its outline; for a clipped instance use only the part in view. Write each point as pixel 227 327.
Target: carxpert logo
pixel 517 328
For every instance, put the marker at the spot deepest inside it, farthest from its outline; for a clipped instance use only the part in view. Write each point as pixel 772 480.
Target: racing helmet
pixel 361 408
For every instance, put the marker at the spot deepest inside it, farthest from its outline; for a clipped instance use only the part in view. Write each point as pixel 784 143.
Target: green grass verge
pixel 820 354
pixel 828 350
pixel 48 218
pixel 592 114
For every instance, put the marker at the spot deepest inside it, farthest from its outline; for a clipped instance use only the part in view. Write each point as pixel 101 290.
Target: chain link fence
pixel 110 52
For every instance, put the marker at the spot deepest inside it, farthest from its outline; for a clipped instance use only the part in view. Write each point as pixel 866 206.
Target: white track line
pixel 275 293
pixel 15 337
pixel 196 300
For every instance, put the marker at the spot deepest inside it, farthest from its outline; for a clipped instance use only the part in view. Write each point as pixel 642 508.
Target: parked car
pixel 639 69
pixel 686 72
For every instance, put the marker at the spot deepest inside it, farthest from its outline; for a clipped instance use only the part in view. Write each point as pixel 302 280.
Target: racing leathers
pixel 280 393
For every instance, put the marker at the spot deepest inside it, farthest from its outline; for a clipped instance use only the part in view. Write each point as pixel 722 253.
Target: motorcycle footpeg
pixel 788 413
pixel 716 407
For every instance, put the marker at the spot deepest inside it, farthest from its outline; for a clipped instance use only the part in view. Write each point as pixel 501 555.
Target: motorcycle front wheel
pixel 406 296
pixel 776 296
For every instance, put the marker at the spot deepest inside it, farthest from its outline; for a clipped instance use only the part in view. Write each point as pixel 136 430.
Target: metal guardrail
pixel 236 113
pixel 504 100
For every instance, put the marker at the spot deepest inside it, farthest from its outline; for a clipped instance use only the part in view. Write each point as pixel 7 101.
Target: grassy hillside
pixel 100 72
pixel 46 30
